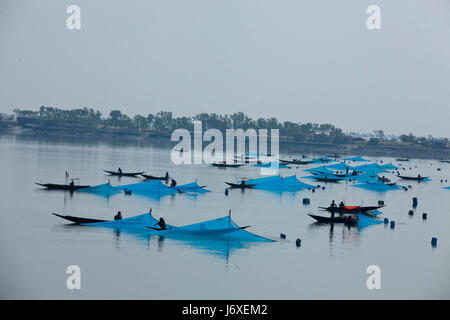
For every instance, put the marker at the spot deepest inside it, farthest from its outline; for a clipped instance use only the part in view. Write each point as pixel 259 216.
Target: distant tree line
pixel 163 122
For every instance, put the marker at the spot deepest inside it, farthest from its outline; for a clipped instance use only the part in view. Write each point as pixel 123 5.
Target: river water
pixel 36 247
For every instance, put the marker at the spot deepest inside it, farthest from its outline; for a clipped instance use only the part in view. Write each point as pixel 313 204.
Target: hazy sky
pixel 296 60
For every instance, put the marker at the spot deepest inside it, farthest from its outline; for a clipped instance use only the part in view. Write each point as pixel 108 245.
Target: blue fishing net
pixel 156 189
pixel 152 187
pixel 278 184
pixel 341 166
pixel 377 186
pixel 321 169
pixel 371 168
pixel 222 228
pixel 355 159
pixel 105 190
pixel 192 187
pixel 365 221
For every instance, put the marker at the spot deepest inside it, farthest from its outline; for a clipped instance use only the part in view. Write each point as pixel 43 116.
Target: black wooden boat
pixel 295 161
pixel 346 220
pixel 79 220
pixel 402 159
pixel 352 209
pixel 241 186
pixel 412 178
pixel 150 177
pixel 226 165
pixel 68 187
pixel 124 174
pixel 323 179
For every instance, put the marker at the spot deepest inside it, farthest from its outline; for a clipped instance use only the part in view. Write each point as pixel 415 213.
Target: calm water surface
pixel 36 247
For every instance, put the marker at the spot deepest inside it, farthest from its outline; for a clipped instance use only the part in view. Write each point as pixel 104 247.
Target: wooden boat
pixel 322 179
pixel 124 174
pixel 402 159
pixel 212 228
pixel 444 161
pixel 346 220
pixel 226 165
pixel 353 209
pixel 68 187
pixel 295 161
pixel 78 220
pixel 412 178
pixel 150 177
pixel 241 186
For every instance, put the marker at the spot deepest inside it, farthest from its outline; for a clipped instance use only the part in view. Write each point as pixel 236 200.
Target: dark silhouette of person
pixel 342 206
pixel 243 183
pixel 72 183
pixel 173 183
pixel 346 171
pixel 162 224
pixel 119 170
pixel 166 177
pixel 118 216
pixel 332 208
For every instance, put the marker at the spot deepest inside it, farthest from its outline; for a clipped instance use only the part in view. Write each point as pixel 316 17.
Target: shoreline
pixel 287 146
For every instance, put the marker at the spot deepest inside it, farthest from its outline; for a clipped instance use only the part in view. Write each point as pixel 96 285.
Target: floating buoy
pixel 414 202
pixel 226 191
pixel 392 224
pixel 434 242
pixel 323 188
pixel 306 200
pixel 282 236
pixel 380 202
pixel 410 212
pixel 298 242
pixel 438 169
pixel 386 220
pixel 313 190
pixel 424 216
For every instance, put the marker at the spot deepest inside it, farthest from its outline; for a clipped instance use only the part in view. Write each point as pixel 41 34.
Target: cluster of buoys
pixel 298 242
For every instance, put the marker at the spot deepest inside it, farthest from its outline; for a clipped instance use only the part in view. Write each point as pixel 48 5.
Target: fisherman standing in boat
pixel 118 216
pixel 342 207
pixel 243 183
pixel 119 170
pixel 166 177
pixel 332 208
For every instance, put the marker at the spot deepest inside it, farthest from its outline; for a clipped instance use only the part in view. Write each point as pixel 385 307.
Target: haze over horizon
pixel 296 61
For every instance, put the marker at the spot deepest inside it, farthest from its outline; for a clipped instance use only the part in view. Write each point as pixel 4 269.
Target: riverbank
pixel 287 146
